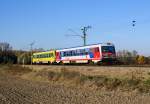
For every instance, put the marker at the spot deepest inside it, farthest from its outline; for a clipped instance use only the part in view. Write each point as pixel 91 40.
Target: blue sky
pixel 48 21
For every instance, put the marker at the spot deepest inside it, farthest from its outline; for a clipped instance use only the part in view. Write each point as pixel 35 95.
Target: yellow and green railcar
pixel 44 57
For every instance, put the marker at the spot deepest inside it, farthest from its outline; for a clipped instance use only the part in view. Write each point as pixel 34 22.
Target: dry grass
pixel 133 81
pixel 15 70
pixel 107 78
pixel 113 72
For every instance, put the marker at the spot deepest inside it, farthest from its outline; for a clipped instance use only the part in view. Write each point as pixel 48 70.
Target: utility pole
pixel 84 30
pixel 31 46
pixel 84 36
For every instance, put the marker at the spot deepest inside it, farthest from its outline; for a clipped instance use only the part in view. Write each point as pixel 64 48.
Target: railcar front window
pixel 108 49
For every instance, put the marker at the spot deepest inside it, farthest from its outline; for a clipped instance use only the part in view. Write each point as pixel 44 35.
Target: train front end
pixel 108 53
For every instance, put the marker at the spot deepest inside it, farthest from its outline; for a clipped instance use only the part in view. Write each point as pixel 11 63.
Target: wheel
pixel 49 63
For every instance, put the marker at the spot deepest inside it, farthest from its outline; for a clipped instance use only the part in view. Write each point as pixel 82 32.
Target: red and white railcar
pixel 85 54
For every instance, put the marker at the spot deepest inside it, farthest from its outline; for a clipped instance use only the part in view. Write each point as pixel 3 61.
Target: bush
pixel 141 60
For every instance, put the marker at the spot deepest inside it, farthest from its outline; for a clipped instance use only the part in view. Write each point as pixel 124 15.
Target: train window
pixel 108 49
pixel 64 53
pixel 70 53
pixel 42 56
pixel 73 53
pixel 83 52
pixel 61 54
pixel 67 53
pixel 52 54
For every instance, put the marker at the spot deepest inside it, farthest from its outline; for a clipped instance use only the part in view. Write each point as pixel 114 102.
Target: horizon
pixel 48 22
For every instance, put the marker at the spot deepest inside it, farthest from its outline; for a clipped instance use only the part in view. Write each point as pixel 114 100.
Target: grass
pixel 99 81
pixel 134 82
pixel 14 69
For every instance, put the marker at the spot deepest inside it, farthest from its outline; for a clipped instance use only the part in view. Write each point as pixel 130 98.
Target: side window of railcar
pixel 46 55
pixel 67 53
pixel 52 54
pixel 61 54
pixel 41 56
pixel 82 51
pixel 78 52
pixel 35 56
pixel 64 53
pixel 86 51
pixel 70 53
pixel 75 52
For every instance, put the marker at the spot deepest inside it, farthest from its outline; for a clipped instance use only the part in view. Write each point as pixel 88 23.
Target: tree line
pixel 132 57
pixel 8 55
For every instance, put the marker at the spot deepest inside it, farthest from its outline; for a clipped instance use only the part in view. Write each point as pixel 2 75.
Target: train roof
pixel 102 44
pixel 43 52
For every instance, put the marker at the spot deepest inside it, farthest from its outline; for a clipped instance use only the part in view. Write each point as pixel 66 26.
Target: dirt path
pixel 14 90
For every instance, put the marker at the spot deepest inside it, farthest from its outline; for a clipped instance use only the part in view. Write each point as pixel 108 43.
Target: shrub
pixel 141 60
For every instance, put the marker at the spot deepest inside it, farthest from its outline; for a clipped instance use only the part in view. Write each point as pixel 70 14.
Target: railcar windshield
pixel 108 49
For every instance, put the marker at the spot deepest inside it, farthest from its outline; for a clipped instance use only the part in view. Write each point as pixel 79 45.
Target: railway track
pixel 93 65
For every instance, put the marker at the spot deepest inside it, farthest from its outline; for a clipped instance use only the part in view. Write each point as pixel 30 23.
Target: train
pixel 90 54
